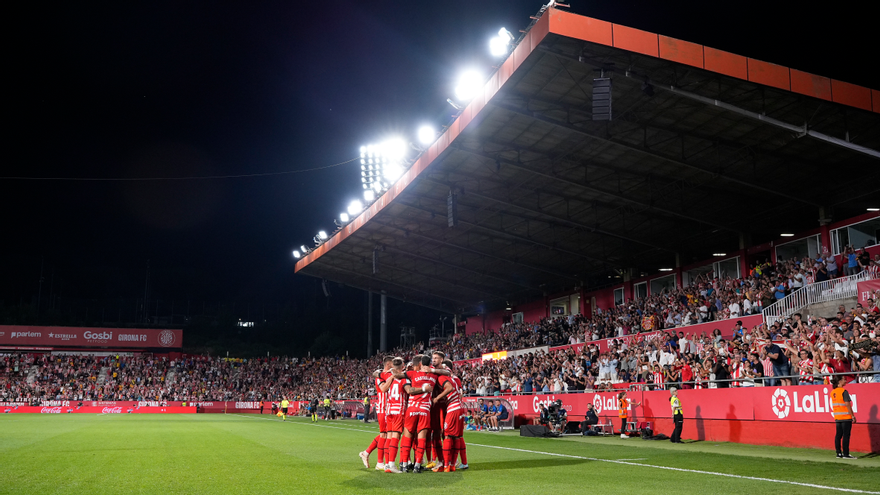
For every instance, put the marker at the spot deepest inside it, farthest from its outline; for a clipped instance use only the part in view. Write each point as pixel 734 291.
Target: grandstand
pixel 582 257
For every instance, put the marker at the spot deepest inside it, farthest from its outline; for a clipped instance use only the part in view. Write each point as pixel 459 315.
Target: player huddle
pixel 420 414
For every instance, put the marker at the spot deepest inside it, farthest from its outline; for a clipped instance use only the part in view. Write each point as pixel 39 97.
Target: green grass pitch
pixel 215 453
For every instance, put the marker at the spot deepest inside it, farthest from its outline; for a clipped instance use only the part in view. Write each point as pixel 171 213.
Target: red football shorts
pixel 453 425
pixel 394 423
pixel 417 420
pixel 437 418
pixel 380 418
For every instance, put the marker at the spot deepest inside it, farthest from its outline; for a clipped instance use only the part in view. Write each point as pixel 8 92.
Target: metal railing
pixel 829 290
pixel 813 378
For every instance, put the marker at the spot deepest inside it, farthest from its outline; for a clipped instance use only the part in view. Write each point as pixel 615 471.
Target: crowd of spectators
pixel 808 348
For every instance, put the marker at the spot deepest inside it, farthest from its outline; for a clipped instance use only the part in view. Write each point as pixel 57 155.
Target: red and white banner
pixel 98 410
pixel 867 290
pixel 802 403
pixel 13 335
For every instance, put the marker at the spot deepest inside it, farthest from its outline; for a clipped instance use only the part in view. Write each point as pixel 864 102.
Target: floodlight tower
pixel 381 165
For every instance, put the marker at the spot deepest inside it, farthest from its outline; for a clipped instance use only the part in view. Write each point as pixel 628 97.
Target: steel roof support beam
pixel 565 125
pixel 799 130
pixel 456 286
pixel 512 236
pixel 569 223
pixel 389 283
pixel 479 253
pixel 457 267
pixel 587 187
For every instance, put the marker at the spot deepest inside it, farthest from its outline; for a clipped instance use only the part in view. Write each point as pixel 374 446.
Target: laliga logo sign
pixel 809 403
pixel 781 404
pixel 606 404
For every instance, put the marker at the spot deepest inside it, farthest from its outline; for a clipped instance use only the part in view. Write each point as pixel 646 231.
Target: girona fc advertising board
pixel 809 403
pixel 90 337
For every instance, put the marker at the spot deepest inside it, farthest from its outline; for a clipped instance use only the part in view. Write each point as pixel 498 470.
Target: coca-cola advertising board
pixel 74 409
pixel 14 335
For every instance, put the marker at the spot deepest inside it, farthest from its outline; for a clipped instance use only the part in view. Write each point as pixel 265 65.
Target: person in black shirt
pixel 590 419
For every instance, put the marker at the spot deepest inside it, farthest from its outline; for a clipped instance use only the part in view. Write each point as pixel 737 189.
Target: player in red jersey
pixel 453 424
pixel 379 378
pixel 423 378
pixel 435 435
pixel 398 391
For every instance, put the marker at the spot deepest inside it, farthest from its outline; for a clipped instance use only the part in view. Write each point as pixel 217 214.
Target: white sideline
pixel 620 461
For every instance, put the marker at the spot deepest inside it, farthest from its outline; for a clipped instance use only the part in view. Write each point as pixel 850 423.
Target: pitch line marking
pixel 683 470
pixel 620 461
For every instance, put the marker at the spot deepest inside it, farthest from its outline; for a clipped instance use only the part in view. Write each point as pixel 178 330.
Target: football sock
pixel 438 447
pixel 405 447
pixel 462 449
pixel 391 450
pixel 420 449
pixel 373 445
pixel 381 453
pixel 448 452
pixel 428 445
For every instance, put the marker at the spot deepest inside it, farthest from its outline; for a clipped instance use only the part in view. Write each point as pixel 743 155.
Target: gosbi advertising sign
pixel 11 335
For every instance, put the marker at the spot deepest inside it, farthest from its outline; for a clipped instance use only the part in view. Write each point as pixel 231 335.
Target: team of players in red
pixel 420 412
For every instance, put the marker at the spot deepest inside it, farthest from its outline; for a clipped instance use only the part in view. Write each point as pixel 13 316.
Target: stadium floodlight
pixel 666 269
pixel 394 149
pixel 322 235
pixel 297 254
pixel 355 207
pixel 382 164
pixel 787 235
pixel 469 84
pixel 304 249
pixel 499 45
pixel 369 195
pixel 873 209
pixel 392 171
pixel 426 134
pixel 719 254
pixel 344 217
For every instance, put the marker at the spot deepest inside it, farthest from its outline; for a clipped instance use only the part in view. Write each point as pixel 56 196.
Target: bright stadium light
pixel 392 171
pixel 394 149
pixel 322 235
pixel 369 195
pixel 469 84
pixel 304 249
pixel 426 134
pixel 355 207
pixel 499 45
pixel 344 218
pixel 297 254
pixel 381 165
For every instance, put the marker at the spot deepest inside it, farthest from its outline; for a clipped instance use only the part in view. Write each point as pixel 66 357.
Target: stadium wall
pixel 784 416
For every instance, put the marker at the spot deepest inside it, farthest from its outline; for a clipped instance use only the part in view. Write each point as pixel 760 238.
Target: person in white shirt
pixel 747 307
pixel 797 280
pixel 734 308
pixel 703 310
pixel 666 357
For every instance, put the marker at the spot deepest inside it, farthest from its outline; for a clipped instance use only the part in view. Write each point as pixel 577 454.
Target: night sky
pixel 177 89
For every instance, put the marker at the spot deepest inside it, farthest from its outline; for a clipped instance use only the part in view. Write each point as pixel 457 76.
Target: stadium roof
pixel 707 150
